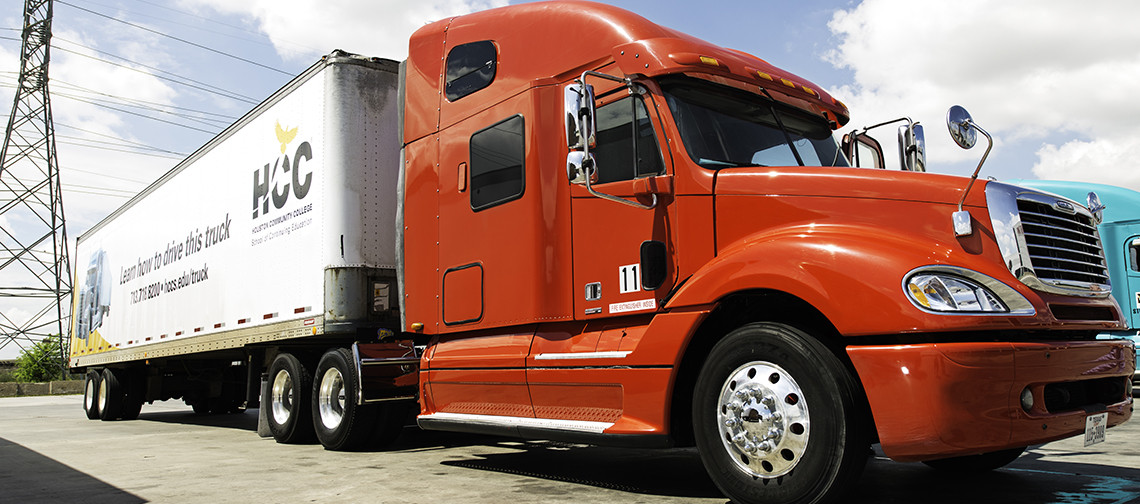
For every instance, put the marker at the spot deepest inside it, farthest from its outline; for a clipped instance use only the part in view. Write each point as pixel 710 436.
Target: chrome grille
pixel 1063 247
pixel 1048 242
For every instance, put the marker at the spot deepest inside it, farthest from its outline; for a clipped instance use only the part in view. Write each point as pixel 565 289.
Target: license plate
pixel 1094 428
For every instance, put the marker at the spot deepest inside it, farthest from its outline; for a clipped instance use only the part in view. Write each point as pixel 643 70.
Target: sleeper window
pixel 470 67
pixel 497 167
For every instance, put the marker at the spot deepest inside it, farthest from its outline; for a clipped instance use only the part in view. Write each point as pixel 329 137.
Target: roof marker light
pixel 709 61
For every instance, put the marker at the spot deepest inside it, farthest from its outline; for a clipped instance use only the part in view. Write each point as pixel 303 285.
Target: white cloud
pixel 1106 161
pixel 297 28
pixel 1029 71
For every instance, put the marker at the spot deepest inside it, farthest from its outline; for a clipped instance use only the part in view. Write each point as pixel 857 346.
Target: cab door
pixel 624 253
pixel 623 267
pixel 1131 305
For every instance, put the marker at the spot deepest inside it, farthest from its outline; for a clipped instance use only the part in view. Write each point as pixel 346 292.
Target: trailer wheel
pixel 340 423
pixel 290 386
pixel 91 394
pixel 110 396
pixel 983 462
pixel 777 418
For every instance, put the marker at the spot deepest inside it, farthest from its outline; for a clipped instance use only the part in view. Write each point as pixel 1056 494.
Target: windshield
pixel 725 127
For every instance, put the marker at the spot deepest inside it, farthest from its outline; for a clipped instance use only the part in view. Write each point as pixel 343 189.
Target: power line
pixel 139 144
pixel 225 118
pixel 127 102
pixel 140 115
pixel 184 41
pixel 106 175
pixel 219 23
pixel 94 188
pixel 127 150
pixel 206 122
pixel 200 85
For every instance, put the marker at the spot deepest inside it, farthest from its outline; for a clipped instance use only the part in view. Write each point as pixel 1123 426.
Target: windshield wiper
pixel 715 163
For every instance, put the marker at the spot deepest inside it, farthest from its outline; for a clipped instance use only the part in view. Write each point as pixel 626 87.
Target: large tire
pixel 972 464
pixel 288 398
pixel 339 422
pixel 778 418
pixel 91 394
pixel 111 395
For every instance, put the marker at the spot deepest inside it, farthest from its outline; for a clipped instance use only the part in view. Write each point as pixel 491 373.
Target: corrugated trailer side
pixel 277 235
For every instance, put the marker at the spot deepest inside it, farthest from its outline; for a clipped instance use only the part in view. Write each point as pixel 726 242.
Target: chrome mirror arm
pixel 589 109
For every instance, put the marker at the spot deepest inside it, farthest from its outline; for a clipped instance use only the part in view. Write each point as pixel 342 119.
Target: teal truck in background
pixel 1120 232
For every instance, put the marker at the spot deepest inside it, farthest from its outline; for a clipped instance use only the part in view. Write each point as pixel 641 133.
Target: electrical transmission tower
pixel 35 280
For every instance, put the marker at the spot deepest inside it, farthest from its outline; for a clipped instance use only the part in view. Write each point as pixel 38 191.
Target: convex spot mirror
pixel 578 164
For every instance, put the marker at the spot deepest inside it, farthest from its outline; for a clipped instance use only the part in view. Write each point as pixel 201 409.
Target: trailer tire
pixel 973 464
pixel 288 400
pixel 339 422
pixel 91 394
pixel 110 395
pixel 778 418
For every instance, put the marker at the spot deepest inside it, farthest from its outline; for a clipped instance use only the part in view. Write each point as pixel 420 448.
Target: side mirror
pixel 862 151
pixel 965 133
pixel 580 111
pixel 912 148
pixel 961 127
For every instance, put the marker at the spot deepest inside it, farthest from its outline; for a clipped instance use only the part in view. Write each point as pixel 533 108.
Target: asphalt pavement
pixel 50 452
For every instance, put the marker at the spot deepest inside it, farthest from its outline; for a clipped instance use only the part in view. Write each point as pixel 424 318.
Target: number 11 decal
pixel 630 280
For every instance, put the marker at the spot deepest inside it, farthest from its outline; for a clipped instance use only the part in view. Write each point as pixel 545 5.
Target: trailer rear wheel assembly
pixel 290 386
pixel 340 423
pixel 110 396
pixel 777 418
pixel 91 394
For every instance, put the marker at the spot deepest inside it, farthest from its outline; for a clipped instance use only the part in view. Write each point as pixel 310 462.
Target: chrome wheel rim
pixel 763 419
pixel 330 398
pixel 89 394
pixel 103 395
pixel 281 397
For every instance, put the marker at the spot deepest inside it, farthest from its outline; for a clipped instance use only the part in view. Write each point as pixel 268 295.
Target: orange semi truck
pixel 562 221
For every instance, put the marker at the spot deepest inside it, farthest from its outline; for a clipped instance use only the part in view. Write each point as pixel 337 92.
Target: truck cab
pixel 613 232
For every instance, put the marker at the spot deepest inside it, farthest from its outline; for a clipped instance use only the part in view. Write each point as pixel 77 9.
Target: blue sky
pixel 1053 81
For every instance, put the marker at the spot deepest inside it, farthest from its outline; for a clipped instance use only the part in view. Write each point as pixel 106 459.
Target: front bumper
pixel 941 400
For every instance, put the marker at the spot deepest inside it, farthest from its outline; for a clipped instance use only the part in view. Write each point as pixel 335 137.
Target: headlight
pixel 948 293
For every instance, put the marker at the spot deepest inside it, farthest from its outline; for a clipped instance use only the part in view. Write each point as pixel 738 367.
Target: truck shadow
pixel 679 473
pixel 28 476
pixel 246 420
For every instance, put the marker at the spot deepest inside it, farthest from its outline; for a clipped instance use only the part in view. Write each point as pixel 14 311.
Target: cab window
pixel 627 146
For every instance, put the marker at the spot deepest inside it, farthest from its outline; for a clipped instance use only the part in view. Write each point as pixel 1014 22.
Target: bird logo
pixel 285 136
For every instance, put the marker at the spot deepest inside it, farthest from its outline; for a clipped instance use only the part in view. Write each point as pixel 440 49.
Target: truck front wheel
pixel 290 386
pixel 777 418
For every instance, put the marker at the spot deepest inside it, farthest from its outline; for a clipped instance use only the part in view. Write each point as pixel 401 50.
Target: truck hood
pixel 863 183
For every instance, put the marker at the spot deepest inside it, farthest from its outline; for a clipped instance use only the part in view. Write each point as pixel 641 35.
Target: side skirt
pixel 571 431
